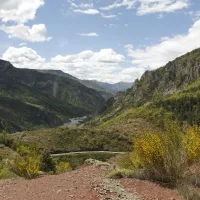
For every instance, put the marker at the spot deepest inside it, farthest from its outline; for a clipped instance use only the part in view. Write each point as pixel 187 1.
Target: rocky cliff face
pixel 164 81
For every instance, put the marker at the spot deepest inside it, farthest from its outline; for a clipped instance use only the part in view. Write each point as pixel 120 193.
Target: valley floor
pixel 86 183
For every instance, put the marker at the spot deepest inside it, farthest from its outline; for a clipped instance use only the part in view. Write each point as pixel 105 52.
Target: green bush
pixel 121 173
pixel 47 164
pixel 188 192
pixel 124 161
pixel 5 171
pixel 3 137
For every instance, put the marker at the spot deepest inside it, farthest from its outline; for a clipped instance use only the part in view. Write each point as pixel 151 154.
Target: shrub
pixel 5 171
pixel 122 173
pixel 175 157
pixel 188 192
pixel 124 161
pixel 148 150
pixel 27 163
pixel 47 164
pixel 192 143
pixel 63 167
pixel 3 137
pixel 162 155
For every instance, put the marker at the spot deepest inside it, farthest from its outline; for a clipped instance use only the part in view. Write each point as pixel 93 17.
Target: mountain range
pixel 107 90
pixel 31 99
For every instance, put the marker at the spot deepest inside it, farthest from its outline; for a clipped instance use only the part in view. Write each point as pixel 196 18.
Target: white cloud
pixel 88 34
pixel 144 7
pixel 127 3
pixel 195 15
pixel 103 65
pixel 103 56
pixel 22 44
pixel 87 11
pixel 82 5
pixel 111 25
pixel 87 8
pixel 158 55
pixel 156 6
pixel 23 57
pixel 108 16
pixel 19 10
pixel 36 33
pixel 106 65
pixel 86 5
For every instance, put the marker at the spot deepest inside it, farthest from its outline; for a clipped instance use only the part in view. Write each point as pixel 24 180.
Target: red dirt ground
pixel 77 185
pixel 148 191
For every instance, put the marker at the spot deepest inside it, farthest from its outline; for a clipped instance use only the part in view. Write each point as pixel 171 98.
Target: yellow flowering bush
pixel 147 150
pixel 27 163
pixel 192 143
pixel 162 155
pixel 167 154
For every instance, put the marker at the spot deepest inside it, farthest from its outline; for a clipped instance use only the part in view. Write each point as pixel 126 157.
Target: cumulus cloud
pixel 103 56
pixel 103 65
pixel 88 34
pixel 23 57
pixel 19 11
pixel 36 33
pixel 158 55
pixel 106 64
pixel 144 7
pixel 87 11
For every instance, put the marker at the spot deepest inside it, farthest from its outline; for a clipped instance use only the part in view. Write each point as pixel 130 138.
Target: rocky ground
pixel 87 183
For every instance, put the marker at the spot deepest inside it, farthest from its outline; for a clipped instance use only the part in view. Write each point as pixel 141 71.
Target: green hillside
pixel 30 99
pixel 158 88
pixel 107 90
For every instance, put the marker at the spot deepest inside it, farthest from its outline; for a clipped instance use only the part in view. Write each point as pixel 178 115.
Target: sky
pixel 105 40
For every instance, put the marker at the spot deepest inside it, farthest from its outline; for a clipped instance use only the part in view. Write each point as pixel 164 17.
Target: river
pixel 75 121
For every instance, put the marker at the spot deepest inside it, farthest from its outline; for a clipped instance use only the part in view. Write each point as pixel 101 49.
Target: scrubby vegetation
pixel 27 163
pixel 185 105
pixel 5 171
pixel 163 155
pixel 63 167
pixel 150 113
pixel 63 140
pixel 170 156
pixel 77 160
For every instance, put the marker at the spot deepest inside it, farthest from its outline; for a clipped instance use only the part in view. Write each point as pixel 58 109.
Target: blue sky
pixel 106 40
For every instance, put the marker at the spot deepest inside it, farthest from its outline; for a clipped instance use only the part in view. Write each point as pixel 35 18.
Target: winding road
pixel 86 152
